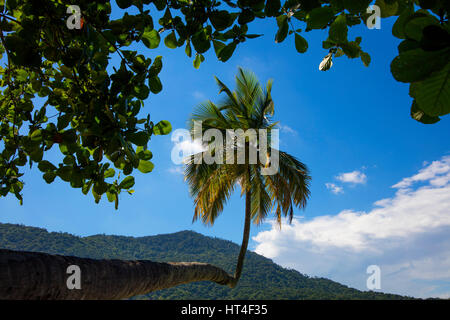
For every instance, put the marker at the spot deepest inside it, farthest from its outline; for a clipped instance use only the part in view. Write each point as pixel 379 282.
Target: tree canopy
pixel 61 89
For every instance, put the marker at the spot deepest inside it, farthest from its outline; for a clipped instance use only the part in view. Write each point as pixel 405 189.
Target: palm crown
pixel 248 107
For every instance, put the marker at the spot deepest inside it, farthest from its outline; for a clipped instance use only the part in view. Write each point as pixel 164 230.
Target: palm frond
pixel 248 107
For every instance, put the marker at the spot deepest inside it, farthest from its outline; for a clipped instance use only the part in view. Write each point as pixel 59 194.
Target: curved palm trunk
pixel 245 237
pixel 34 275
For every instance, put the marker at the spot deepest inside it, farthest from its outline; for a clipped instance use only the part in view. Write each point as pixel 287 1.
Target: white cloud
pixel 352 177
pixel 438 173
pixel 286 129
pixel 407 235
pixel 176 170
pixel 334 188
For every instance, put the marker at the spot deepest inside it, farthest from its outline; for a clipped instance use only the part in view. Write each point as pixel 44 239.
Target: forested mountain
pixel 261 279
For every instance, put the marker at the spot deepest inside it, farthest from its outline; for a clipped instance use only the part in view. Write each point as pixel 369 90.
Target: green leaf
pixel 49 177
pixel 138 138
pixel 272 8
pixel 123 4
pixel 171 41
pixel 351 49
pixel 398 29
pixel 111 196
pixel 127 183
pixel 162 128
pixel 151 38
pixel 300 43
pixel 319 17
pixel 435 37
pixel 156 67
pixel 387 7
pixel 141 92
pixel 144 154
pixel 100 187
pixel 155 84
pixel 36 136
pixel 419 115
pixel 227 51
pixel 339 53
pixel 65 173
pixel 145 166
pixel 414 27
pixel 338 29
pixel 356 6
pixel 283 28
pixel 160 4
pixel 365 58
pixel 246 16
pixel 63 121
pixel 109 173
pixel 220 19
pixel 417 65
pixel 407 45
pixel 22 53
pixel 198 60
pixel 46 166
pixel 200 41
pixel 433 94
pixel 188 49
pixel 218 46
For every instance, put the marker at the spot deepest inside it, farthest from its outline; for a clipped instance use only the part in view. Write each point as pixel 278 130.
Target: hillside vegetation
pixel 261 279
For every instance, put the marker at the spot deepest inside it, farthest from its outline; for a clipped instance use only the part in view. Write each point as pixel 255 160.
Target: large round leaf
pixel 417 65
pixel 338 29
pixel 145 166
pixel 319 17
pixel 433 94
pixel 127 183
pixel 419 115
pixel 300 43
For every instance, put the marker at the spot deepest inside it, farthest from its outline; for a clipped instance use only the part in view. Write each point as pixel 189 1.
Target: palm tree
pixel 248 107
pixel 34 275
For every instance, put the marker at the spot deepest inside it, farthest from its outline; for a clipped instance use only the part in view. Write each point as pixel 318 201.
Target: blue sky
pixel 350 119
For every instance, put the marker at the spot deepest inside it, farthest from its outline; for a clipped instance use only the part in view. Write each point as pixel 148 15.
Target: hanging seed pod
pixel 326 62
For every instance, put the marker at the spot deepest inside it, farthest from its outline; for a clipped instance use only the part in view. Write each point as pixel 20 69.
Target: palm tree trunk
pixel 245 237
pixel 34 275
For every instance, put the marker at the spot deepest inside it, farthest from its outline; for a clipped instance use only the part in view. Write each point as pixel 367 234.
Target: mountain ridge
pixel 262 279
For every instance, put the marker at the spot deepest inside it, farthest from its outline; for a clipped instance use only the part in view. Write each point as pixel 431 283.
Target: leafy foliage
pixel 261 279
pixel 424 58
pixel 60 89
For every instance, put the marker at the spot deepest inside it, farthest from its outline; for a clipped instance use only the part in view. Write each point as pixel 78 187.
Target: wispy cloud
pixel 407 235
pixel 437 173
pixel 355 177
pixel 198 95
pixel 176 170
pixel 286 129
pixel 334 188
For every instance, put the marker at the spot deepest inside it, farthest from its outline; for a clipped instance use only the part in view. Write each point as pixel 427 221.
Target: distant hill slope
pixel 261 279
